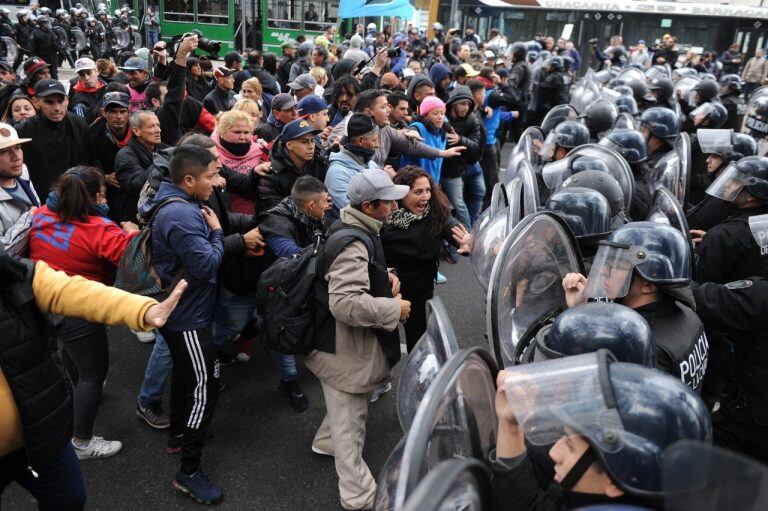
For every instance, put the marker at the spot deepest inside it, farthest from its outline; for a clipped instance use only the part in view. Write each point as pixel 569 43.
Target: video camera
pixel 393 53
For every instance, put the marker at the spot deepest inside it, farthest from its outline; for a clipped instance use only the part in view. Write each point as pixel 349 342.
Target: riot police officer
pixel 553 89
pixel 520 82
pixel 664 91
pixel 730 251
pixel 630 144
pixel 599 117
pixel 601 181
pixel 23 36
pixel 757 117
pixel 721 147
pixel 6 25
pixel 588 215
pixel 642 95
pixel 627 105
pixel 45 44
pixel 730 97
pixel 660 127
pixel 647 267
pixel 565 136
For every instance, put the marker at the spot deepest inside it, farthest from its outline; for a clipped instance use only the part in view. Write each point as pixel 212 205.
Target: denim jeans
pixel 454 189
pixel 474 191
pixel 59 484
pixel 158 370
pixel 152 37
pixel 232 313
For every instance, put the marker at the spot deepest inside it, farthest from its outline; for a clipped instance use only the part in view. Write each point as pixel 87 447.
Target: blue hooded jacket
pixel 180 237
pixel 436 139
pixel 437 73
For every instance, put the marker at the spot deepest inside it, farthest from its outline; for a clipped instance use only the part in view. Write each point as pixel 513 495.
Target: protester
pixel 197 85
pixel 18 198
pixel 283 112
pixel 222 97
pixel 20 108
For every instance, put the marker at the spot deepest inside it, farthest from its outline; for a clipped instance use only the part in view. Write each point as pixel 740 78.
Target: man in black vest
pixel 365 300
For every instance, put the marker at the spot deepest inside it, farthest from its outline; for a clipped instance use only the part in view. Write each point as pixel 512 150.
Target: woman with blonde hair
pixel 253 90
pixel 240 151
pixel 321 77
pixel 250 107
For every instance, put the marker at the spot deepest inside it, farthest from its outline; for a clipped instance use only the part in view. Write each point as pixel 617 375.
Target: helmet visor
pixel 702 111
pixel 729 184
pixel 555 173
pixel 547 150
pixel 715 142
pixel 611 273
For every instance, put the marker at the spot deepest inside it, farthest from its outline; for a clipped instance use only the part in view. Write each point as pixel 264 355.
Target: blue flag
pixel 367 8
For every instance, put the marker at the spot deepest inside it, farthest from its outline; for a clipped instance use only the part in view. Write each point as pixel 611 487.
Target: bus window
pixel 179 10
pixel 284 14
pixel 320 13
pixel 212 11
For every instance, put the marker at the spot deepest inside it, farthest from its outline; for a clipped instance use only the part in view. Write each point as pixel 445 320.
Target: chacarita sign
pixel 749 9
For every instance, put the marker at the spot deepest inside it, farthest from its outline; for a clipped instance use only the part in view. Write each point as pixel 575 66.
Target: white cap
pixel 84 64
pixel 9 137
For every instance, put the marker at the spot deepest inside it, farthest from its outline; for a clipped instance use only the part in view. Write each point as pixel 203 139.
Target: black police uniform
pixel 729 252
pixel 643 196
pixel 553 91
pixel 44 44
pixel 740 310
pixel 709 212
pixel 736 109
pixel 682 348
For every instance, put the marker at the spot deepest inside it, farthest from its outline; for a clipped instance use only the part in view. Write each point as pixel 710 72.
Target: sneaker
pixel 145 337
pixel 153 416
pixel 243 347
pixel 321 452
pixel 380 391
pixel 295 395
pixel 440 278
pixel 175 442
pixel 198 487
pixel 97 448
pixel 225 358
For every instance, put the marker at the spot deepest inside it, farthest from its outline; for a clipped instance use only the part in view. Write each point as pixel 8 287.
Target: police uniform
pixel 740 310
pixel 643 196
pixel 729 252
pixel 681 344
pixel 708 213
pixel 736 109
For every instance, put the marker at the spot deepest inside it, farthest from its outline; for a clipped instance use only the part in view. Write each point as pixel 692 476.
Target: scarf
pixel 79 87
pixel 365 154
pixel 238 149
pixel 402 218
pixel 288 208
pixel 53 204
pixel 488 83
pixel 113 138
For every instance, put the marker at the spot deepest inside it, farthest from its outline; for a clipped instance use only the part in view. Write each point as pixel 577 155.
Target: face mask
pixel 103 209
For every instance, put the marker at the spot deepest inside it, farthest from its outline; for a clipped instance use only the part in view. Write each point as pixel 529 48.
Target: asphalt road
pixel 260 449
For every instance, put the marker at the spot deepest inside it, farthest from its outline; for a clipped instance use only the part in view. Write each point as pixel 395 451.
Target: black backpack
pixel 292 295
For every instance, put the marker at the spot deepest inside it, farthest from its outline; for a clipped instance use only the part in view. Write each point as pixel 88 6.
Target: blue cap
pixel 297 128
pixel 134 64
pixel 311 105
pixel 399 39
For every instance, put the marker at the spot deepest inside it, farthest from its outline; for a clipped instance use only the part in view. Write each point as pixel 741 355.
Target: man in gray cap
pixel 283 112
pixel 364 298
pixel 303 85
pixel 303 63
pixel 285 63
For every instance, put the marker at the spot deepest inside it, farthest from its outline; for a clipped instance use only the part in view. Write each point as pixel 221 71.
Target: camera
pixel 393 52
pixel 205 44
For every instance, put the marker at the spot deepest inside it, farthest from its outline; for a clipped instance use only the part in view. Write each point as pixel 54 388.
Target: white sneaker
pixel 98 448
pixel 243 357
pixel 380 391
pixel 145 337
pixel 321 452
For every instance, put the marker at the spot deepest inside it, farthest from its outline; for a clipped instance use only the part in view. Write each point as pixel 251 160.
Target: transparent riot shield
pixel 454 485
pixel 488 234
pixel 584 93
pixel 631 74
pixel 456 419
pixel 61 36
pixel 427 357
pixel 684 86
pixel 528 146
pixel 525 285
pixel 617 166
pixel 122 39
pixel 525 171
pixel 666 209
pixel 515 210
pixel 80 42
pixel 703 477
pixel 683 150
pixel 683 72
pixel 136 36
pixel 556 116
pixel 625 121
pixel 387 482
pixel 10 48
pixel 755 120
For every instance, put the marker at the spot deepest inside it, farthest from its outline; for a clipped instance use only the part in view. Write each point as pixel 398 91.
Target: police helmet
pixel 750 174
pixel 102 12
pixel 627 142
pixel 600 116
pixel 61 12
pixel 706 89
pixel 655 72
pixel 570 134
pixel 682 72
pixel 438 27
pixel 627 104
pixel 712 114
pixel 90 19
pixel 599 325
pixel 44 21
pixel 661 122
pixel 567 62
pixel 664 88
pixel 586 212
pixel 616 81
pixel 601 181
pixel 743 146
pixel 759 106
pixel 640 91
pixel 624 90
pixel 45 11
pixel 730 83
pixel 556 64
pixel 5 12
pixel 22 14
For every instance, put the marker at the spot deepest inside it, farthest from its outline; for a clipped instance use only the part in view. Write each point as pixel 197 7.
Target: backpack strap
pixel 161 204
pixel 339 239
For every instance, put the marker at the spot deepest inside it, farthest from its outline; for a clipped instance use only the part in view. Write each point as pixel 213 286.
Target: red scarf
pixel 79 87
pixel 487 82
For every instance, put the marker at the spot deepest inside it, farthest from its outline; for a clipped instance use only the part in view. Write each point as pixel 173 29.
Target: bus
pixel 238 24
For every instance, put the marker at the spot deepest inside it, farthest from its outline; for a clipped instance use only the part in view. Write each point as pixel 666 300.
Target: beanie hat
pixel 430 103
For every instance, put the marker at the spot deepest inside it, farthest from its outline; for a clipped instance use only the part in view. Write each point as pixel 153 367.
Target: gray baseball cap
pixel 373 184
pixel 283 101
pixel 303 81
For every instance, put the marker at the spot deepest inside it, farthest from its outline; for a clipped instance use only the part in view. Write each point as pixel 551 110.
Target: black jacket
pixel 86 104
pixel 284 71
pixel 268 131
pixel 105 146
pixel 198 87
pixel 285 220
pixel 267 81
pixel 172 112
pixel 55 147
pixel 219 100
pixel 131 165
pixel 471 135
pixel 283 174
pixel 43 43
pixel 553 91
pixel 736 108
pixel 37 383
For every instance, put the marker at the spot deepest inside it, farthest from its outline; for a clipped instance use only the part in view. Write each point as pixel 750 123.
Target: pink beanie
pixel 430 103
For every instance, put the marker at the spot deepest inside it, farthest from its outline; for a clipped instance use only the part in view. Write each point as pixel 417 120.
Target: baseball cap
pixel 33 65
pixel 398 39
pixel 6 66
pixel 134 64
pixel 221 72
pixel 469 71
pixel 116 98
pixel 9 137
pixel 297 128
pixel 373 184
pixel 45 88
pixel 311 105
pixel 408 72
pixel 359 125
pixel 84 64
pixel 232 57
pixel 303 81
pixel 288 44
pixel 283 101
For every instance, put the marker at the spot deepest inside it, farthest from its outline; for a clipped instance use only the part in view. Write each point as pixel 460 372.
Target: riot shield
pixel 10 48
pixel 454 485
pixel 488 234
pixel 666 209
pixel 122 39
pixel 557 115
pixel 625 121
pixel 525 285
pixel 525 146
pixel 387 482
pixel 682 72
pixel 133 22
pixel 617 166
pixel 707 478
pixel 427 357
pixel 515 211
pixel 631 74
pixel 756 120
pixel 456 419
pixel 137 43
pixel 684 86
pixel 683 150
pixel 583 94
pixel 530 198
pixel 498 199
pixel 80 41
pixel 61 36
